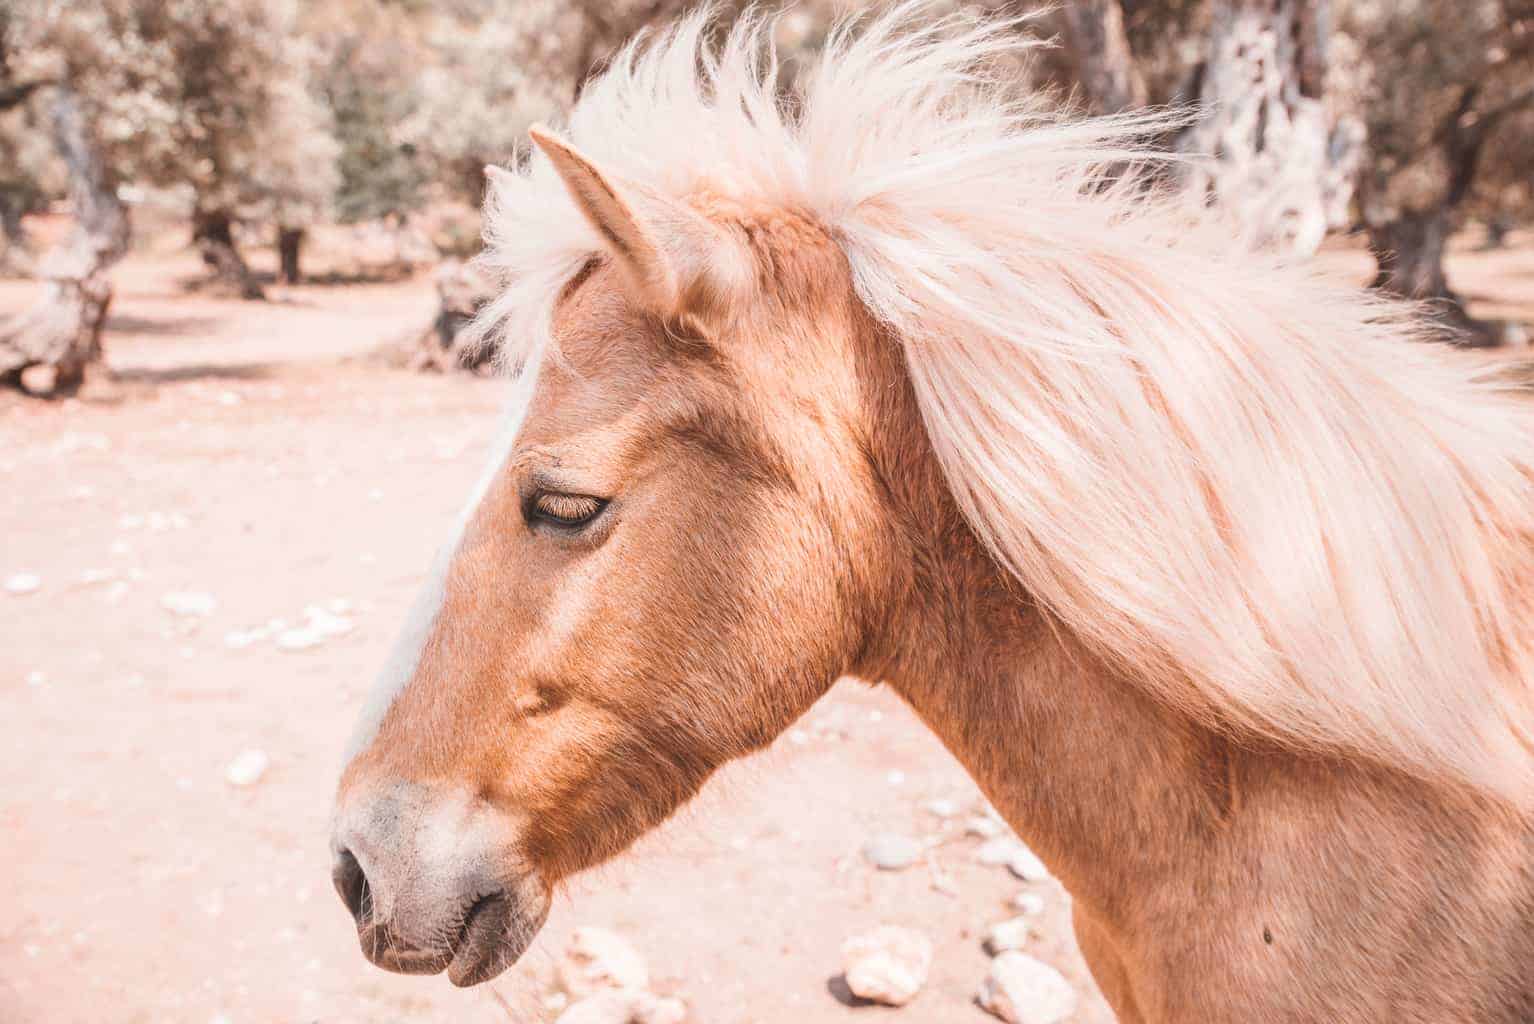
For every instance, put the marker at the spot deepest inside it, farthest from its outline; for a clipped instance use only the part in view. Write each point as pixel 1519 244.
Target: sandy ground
pixel 242 454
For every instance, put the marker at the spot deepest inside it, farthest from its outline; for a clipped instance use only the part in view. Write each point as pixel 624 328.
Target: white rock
pixel 984 828
pixel 1022 990
pixel 1028 903
pixel 887 965
pixel 36 679
pixel 1007 935
pixel 997 851
pixel 241 638
pixel 600 959
pixel 320 624
pixel 942 808
pixel 247 768
pixel 1019 860
pixel 327 623
pixel 624 1006
pixel 189 603
pixel 22 583
pixel 1027 866
pixel 300 639
pixel 889 851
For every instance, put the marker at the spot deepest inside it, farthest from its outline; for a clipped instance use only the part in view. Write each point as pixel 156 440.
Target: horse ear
pixel 679 262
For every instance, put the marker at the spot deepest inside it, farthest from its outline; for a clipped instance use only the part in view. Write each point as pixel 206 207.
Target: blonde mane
pixel 1251 489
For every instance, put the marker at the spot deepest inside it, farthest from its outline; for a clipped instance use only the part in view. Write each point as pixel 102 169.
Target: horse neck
pixel 1107 786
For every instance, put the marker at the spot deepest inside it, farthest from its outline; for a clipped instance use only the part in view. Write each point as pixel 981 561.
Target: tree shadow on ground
pixel 191 371
pixel 158 326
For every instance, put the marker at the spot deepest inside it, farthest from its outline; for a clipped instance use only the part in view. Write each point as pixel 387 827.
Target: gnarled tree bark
pixel 1094 36
pixel 213 234
pixel 62 332
pixel 1276 156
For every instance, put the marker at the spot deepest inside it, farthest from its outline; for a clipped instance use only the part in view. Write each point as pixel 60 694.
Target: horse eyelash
pixel 564 509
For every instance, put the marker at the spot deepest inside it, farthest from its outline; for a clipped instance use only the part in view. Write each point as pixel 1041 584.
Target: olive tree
pixel 1450 110
pixel 47 53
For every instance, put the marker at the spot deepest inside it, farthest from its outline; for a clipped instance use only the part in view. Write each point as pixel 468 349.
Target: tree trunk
pixel 213 234
pixel 61 334
pixel 1094 37
pixel 290 244
pixel 1277 159
pixel 1497 230
pixel 461 293
pixel 15 248
pixel 1409 250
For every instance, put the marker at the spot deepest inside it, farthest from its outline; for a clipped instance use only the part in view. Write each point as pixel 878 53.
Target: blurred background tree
pixel 260 119
pixel 1450 112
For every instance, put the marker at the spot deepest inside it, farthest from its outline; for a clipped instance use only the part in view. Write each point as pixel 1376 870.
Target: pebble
pixel 22 583
pixel 942 808
pixel 1028 903
pixel 36 679
pixel 247 768
pixel 320 625
pixel 887 965
pixel 1027 866
pixel 891 852
pixel 599 959
pixel 984 828
pixel 1007 935
pixel 1022 990
pixel 1021 861
pixel 997 851
pixel 189 603
pixel 624 1006
pixel 241 638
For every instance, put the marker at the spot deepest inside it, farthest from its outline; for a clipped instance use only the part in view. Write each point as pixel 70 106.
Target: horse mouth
pixel 490 941
pixel 493 936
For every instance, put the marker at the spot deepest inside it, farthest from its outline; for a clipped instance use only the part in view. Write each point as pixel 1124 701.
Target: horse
pixel 1214 573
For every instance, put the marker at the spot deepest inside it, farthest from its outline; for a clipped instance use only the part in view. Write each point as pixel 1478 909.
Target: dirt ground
pixel 245 453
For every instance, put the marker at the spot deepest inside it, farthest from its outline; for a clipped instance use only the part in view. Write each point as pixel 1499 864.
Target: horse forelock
pixel 1236 480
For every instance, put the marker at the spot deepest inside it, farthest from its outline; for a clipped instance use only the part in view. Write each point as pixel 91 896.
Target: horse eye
pixel 566 510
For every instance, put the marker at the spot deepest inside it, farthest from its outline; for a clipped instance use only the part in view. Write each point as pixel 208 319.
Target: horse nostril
pixel 352 884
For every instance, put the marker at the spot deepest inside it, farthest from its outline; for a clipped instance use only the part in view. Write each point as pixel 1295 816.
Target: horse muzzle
pixel 433 883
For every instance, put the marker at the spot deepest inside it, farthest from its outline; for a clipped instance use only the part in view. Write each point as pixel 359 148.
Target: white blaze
pixel 405 656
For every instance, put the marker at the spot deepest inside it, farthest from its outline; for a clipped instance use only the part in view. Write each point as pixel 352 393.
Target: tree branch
pixel 17 94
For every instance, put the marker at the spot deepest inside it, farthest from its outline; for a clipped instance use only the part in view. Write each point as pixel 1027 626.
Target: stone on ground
pixel 983 827
pixel 1007 935
pixel 191 603
pixel 247 768
pixel 624 1006
pixel 1019 860
pixel 1027 866
pixel 599 959
pixel 1022 990
pixel 890 851
pixel 1027 902
pixel 22 583
pixel 887 965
